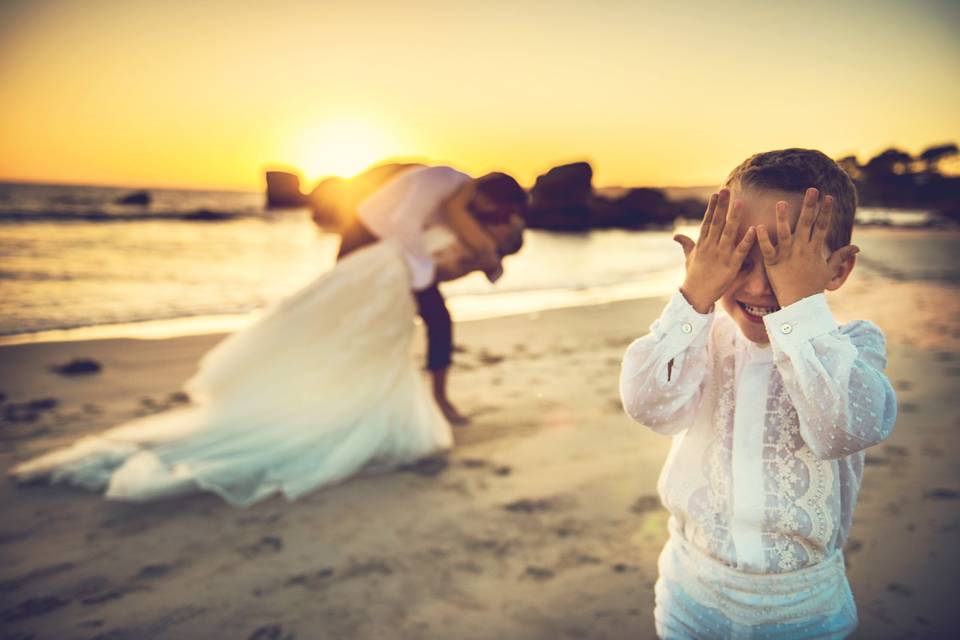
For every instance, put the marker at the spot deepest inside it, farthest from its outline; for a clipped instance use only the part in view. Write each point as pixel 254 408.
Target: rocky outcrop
pixel 283 190
pixel 135 198
pixel 563 199
pixel 560 198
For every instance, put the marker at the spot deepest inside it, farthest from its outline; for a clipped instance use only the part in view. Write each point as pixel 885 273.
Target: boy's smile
pixel 750 296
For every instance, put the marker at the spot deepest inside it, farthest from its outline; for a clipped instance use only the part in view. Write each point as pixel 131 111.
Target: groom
pixel 485 213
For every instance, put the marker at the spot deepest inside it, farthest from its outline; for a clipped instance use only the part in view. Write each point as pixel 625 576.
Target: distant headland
pixel 565 199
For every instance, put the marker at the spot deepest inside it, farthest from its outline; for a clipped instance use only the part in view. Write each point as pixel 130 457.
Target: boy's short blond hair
pixel 794 171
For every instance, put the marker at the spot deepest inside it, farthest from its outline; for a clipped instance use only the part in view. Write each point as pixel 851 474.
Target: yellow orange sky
pixel 208 94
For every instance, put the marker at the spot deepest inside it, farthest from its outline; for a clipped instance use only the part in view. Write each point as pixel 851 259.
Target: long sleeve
pixel 834 377
pixel 662 375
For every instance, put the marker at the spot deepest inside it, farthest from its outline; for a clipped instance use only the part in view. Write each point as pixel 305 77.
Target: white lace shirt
pixel 768 440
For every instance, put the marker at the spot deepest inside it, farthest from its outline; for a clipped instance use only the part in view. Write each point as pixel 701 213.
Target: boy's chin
pixel 753 332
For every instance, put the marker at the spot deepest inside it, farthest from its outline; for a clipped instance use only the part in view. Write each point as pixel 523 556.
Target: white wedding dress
pixel 321 387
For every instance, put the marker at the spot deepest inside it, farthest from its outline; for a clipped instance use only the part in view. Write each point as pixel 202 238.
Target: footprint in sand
pixel 42 572
pixel 539 573
pixel 644 504
pixel 427 466
pixel 266 544
pixel 942 494
pixel 896 451
pixel 312 581
pixel 900 589
pixel 271 632
pixel 539 505
pixel 871 460
pixel 153 571
pixel 260 519
pixel 32 608
pixel 853 545
pixel 489 358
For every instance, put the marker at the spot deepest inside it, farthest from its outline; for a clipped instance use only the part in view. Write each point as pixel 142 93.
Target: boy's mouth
pixel 755 313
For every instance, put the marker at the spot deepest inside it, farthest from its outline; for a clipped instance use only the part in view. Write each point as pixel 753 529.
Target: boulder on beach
pixel 135 197
pixel 283 190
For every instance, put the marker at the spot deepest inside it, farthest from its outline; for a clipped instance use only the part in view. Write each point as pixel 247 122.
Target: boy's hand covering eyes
pixel 714 260
pixel 801 265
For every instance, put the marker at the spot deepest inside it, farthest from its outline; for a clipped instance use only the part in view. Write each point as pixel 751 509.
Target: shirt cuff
pixel 681 324
pixel 800 322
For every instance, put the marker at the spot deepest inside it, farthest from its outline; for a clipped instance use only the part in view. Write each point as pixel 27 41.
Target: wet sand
pixel 543 522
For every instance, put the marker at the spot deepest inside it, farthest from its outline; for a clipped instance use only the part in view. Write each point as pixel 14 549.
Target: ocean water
pixel 74 261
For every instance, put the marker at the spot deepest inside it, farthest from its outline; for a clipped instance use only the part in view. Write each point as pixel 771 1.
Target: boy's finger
pixel 766 247
pixel 823 222
pixel 707 216
pixel 720 215
pixel 808 213
pixel 732 226
pixel 743 247
pixel 784 237
pixel 684 242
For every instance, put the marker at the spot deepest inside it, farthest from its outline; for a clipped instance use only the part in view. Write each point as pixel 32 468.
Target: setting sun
pixel 340 147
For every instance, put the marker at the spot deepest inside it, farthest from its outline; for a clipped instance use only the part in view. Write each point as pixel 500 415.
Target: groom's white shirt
pixel 405 207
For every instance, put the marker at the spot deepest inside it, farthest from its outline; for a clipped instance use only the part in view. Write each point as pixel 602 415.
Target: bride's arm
pixel 468 230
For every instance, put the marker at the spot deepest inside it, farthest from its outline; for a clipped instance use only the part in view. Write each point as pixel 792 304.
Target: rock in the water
pixel 563 199
pixel 208 215
pixel 560 198
pixel 135 197
pixel 78 367
pixel 283 190
pixel 637 208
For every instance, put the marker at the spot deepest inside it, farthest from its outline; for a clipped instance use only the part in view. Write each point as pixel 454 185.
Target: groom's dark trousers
pixel 430 303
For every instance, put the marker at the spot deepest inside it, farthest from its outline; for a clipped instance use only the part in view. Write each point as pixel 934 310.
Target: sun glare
pixel 341 147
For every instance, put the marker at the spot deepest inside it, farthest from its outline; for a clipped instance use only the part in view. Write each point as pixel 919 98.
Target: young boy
pixel 771 406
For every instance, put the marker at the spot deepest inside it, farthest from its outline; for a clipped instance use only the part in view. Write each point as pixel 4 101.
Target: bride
pixel 321 387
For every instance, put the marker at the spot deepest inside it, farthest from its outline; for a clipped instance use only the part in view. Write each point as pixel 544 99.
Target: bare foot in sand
pixel 453 416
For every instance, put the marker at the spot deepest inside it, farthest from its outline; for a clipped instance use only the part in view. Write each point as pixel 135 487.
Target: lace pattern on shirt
pixel 798 524
pixel 711 505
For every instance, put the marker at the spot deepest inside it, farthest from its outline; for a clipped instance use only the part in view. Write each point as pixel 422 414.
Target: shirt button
pixel 686 327
pixel 786 327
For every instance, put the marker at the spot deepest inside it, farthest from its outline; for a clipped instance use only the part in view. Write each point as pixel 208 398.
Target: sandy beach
pixel 543 522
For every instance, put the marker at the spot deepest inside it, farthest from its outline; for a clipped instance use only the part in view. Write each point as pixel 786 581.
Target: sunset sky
pixel 210 93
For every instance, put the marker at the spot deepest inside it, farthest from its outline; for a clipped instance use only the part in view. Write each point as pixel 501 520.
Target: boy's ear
pixel 842 270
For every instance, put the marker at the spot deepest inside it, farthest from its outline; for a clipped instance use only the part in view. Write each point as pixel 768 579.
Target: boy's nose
pixel 757 283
